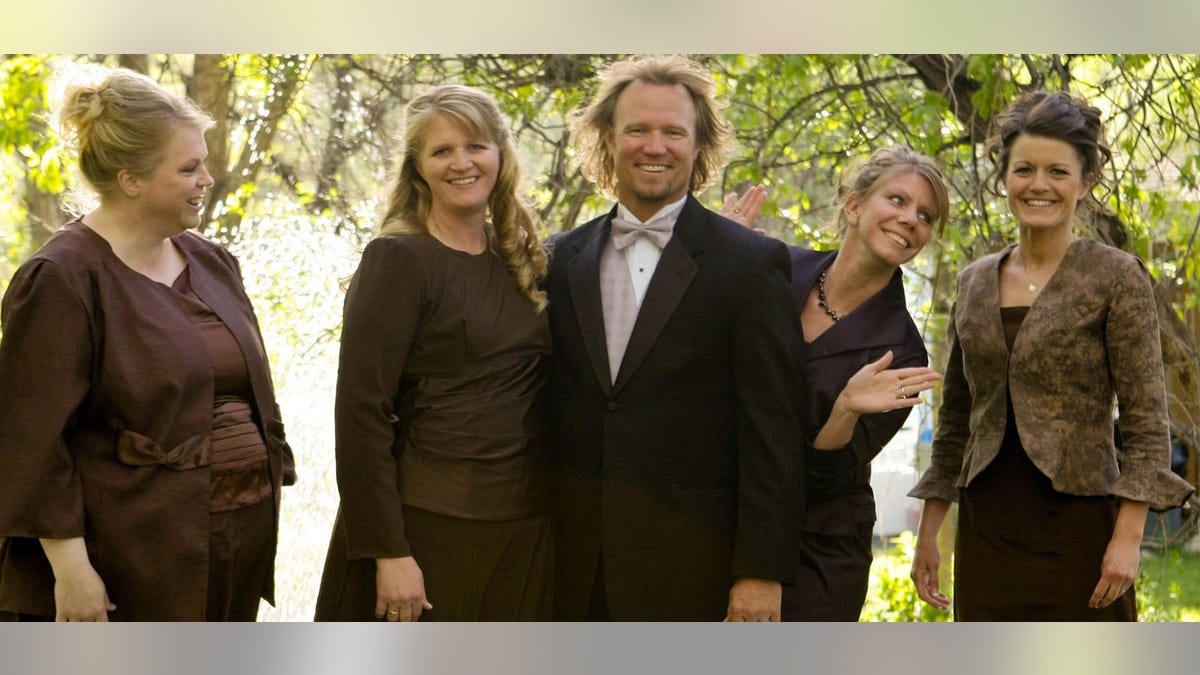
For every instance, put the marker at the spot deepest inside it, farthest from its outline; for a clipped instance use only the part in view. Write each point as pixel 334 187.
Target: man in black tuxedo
pixel 677 450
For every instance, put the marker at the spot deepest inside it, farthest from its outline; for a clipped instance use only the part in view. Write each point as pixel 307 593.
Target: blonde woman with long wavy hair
pixel 438 430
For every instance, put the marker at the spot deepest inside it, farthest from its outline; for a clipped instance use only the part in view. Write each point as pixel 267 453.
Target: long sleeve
pixel 1135 361
pixel 767 376
pixel 380 320
pixel 831 472
pixel 45 375
pixel 953 426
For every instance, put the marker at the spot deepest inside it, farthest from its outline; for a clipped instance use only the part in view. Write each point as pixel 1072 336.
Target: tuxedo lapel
pixel 583 280
pixel 674 273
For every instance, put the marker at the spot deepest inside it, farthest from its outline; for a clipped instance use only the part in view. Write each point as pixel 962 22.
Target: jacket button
pixel 612 406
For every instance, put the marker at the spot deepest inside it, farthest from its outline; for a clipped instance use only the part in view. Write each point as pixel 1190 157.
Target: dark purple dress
pixel 834 557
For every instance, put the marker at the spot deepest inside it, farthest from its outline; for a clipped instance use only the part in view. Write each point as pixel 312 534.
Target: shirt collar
pixel 669 213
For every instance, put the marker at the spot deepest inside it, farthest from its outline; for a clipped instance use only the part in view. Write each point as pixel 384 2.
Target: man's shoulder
pixel 582 230
pixel 575 238
pixel 738 240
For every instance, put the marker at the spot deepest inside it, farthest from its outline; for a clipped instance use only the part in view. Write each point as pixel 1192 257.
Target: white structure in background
pixel 893 471
pixel 893 474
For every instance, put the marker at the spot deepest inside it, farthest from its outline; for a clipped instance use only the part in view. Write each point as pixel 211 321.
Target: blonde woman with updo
pixel 865 363
pixel 866 366
pixel 439 440
pixel 140 442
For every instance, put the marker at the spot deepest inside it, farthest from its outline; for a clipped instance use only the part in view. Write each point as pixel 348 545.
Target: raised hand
pixel 746 209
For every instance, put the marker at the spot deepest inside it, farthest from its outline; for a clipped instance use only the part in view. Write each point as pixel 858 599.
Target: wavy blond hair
pixel 410 199
pixel 591 126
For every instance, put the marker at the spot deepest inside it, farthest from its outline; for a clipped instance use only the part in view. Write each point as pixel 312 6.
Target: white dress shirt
pixel 642 256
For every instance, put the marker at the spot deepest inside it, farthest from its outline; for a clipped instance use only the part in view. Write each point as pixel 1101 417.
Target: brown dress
pixel 241 515
pixel 107 426
pixel 439 435
pixel 1025 551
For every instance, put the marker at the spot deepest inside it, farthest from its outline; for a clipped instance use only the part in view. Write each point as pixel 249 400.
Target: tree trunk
pixel 211 87
pixel 136 62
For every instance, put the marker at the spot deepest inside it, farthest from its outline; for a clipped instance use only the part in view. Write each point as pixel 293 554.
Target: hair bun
pixel 82 105
pixel 116 119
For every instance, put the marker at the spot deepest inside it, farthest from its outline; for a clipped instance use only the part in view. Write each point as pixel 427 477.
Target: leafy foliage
pixel 1168 587
pixel 891 594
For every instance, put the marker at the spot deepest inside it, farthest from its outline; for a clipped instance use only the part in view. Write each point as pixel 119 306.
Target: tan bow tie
pixel 625 232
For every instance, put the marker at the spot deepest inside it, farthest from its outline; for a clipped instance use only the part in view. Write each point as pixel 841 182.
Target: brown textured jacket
pixel 1091 334
pixel 106 411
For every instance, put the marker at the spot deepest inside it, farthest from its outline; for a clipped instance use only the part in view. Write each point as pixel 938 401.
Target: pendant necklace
pixel 823 302
pixel 1033 288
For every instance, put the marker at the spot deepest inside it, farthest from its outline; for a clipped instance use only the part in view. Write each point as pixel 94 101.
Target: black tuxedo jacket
pixel 685 473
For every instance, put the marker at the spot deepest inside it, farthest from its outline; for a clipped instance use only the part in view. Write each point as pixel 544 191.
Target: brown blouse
pixel 240 470
pixel 438 381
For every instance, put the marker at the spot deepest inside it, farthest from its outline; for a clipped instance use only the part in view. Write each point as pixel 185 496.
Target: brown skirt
pixel 1026 552
pixel 240 557
pixel 475 570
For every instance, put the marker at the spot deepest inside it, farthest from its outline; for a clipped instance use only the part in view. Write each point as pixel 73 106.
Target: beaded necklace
pixel 821 298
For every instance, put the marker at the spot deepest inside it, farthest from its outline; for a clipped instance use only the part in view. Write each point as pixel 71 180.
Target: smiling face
pixel 653 145
pixel 895 221
pixel 1044 182
pixel 173 194
pixel 459 168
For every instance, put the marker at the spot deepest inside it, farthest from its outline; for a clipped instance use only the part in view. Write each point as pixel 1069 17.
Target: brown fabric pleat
pixel 240 470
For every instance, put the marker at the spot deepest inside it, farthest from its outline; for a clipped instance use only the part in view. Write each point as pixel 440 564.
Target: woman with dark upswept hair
pixel 140 442
pixel 1044 336
pixel 438 430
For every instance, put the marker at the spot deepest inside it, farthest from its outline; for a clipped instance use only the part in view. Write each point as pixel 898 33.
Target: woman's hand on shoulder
pixel 745 211
pixel 875 389
pixel 400 589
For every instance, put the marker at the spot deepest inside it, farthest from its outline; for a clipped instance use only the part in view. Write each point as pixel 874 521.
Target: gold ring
pixel 393 612
pixel 737 210
pixel 902 394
